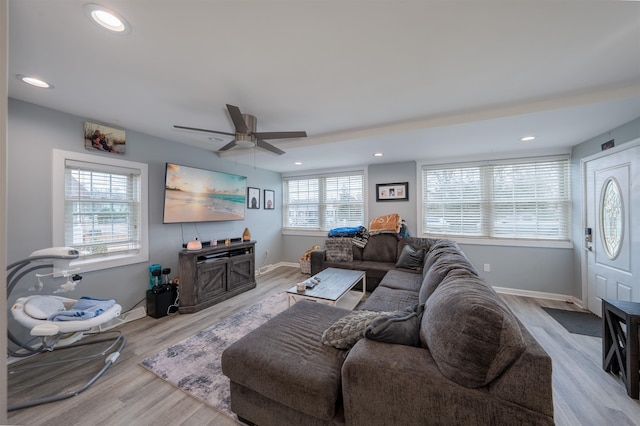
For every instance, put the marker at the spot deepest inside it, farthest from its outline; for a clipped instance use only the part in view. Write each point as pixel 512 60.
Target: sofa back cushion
pixel 471 334
pixel 438 248
pixel 381 248
pixel 339 249
pixel 443 265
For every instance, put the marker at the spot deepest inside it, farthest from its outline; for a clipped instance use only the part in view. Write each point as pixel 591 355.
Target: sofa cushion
pixel 471 334
pixel 402 280
pixel 346 331
pixel 388 299
pixel 381 248
pixel 444 264
pixel 411 259
pixel 285 361
pixel 439 247
pixel 339 249
pixel 399 328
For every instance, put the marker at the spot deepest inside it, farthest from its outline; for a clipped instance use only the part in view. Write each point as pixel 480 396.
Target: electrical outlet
pixel 487 267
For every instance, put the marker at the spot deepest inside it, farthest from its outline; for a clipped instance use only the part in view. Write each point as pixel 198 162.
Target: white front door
pixel 611 238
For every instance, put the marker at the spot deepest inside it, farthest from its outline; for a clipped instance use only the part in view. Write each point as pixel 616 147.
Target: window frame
pixel 58 209
pixel 321 174
pixel 497 241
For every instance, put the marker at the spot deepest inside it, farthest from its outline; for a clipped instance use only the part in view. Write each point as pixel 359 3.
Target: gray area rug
pixel 193 365
pixel 577 322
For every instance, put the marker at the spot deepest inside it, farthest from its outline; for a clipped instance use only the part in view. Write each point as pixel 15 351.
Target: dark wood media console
pixel 213 274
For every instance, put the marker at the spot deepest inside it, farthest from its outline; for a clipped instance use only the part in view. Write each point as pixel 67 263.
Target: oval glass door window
pixel 611 218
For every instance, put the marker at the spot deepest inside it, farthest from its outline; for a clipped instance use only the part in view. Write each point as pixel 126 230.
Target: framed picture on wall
pixel 392 191
pixel 253 198
pixel 608 145
pixel 269 199
pixel 103 138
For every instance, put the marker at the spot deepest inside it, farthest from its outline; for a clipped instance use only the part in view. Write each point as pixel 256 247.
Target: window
pixel 323 202
pixel 526 200
pixel 100 209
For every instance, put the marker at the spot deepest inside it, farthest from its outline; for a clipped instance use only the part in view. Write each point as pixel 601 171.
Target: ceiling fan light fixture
pixel 107 19
pixel 244 140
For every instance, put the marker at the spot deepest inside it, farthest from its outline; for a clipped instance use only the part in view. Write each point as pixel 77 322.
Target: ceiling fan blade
pixel 238 121
pixel 265 145
pixel 228 146
pixel 204 130
pixel 280 135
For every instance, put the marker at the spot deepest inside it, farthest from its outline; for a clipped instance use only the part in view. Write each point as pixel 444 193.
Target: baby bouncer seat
pixel 59 323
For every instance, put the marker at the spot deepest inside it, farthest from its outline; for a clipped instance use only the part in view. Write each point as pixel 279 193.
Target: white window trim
pixel 487 241
pixel 322 173
pixel 58 169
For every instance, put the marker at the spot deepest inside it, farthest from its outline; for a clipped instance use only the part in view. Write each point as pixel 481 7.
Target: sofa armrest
pixel 317 260
pixel 393 384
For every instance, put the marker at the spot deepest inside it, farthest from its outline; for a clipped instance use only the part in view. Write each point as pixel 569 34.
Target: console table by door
pixel 213 274
pixel 620 348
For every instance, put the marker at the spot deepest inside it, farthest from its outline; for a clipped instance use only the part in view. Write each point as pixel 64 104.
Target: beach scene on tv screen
pixel 197 195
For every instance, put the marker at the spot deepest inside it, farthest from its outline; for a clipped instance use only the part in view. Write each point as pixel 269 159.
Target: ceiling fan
pixel 246 135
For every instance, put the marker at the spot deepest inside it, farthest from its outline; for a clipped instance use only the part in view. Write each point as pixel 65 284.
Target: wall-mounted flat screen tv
pixel 198 195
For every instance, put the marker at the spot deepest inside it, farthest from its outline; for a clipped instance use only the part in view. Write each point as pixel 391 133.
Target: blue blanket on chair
pixel 84 308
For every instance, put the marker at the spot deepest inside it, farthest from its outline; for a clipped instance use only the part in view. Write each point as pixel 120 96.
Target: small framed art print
pixel 392 191
pixel 269 199
pixel 253 198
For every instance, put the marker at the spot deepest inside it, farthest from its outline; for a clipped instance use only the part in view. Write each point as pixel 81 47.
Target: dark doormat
pixel 577 322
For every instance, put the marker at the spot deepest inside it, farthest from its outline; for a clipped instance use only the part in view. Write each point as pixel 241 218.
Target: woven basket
pixel 305 266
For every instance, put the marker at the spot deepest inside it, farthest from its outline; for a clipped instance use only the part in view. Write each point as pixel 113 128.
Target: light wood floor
pixel 130 395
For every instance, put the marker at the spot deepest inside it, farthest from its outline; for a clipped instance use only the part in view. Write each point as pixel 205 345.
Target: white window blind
pixel 102 209
pixel 323 202
pixel 518 200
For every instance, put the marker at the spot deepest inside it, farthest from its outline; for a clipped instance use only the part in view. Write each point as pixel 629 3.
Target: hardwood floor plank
pixel 583 393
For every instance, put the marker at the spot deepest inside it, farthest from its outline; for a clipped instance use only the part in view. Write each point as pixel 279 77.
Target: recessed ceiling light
pixel 298 163
pixel 378 154
pixel 527 138
pixel 107 19
pixel 36 82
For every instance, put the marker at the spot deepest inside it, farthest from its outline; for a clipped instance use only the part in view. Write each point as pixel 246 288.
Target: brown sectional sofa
pixel 476 364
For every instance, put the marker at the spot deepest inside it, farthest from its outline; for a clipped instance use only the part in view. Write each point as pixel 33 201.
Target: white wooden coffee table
pixel 334 288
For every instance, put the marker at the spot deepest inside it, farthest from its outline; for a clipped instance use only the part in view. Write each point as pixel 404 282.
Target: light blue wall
pixel 547 270
pixel 621 135
pixel 33 132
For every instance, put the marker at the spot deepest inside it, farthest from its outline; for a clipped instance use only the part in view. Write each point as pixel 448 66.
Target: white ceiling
pixel 416 80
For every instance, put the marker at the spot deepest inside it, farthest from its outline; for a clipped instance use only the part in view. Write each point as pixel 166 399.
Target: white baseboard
pixel 539 295
pixel 504 290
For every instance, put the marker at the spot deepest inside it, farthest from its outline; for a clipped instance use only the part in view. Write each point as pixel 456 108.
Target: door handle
pixel 588 248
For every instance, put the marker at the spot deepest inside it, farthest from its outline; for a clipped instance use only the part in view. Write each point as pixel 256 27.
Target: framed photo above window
pixel 98 137
pixel 253 198
pixel 392 191
pixel 269 199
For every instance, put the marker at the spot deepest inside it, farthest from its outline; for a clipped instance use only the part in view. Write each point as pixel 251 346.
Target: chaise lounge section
pixel 473 362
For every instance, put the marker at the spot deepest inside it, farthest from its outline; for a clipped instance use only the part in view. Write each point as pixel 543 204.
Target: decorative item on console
pixel 195 244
